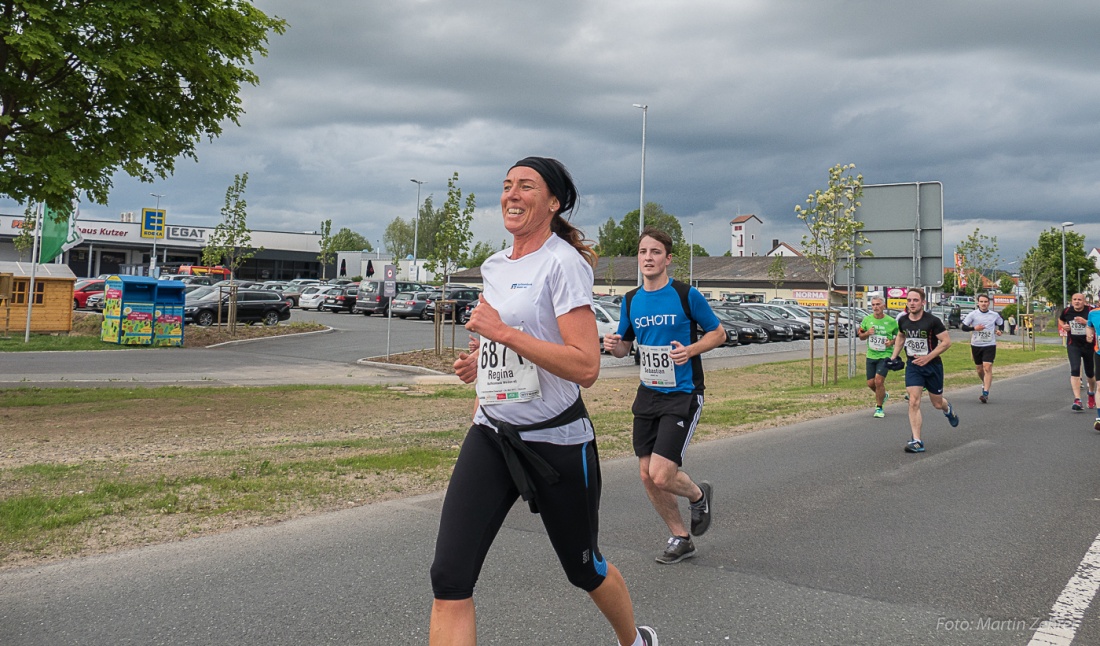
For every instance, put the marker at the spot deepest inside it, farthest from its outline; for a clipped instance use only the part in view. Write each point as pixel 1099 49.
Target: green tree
pixel 980 258
pixel 92 87
pixel 479 254
pixel 1033 273
pixel 622 239
pixel 950 285
pixel 398 238
pixel 1049 253
pixel 230 244
pixel 24 241
pixel 327 254
pixel 777 272
pixel 453 236
pixel 1006 284
pixel 834 233
pixel 347 240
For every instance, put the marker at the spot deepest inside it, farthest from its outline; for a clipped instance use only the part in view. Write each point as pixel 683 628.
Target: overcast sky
pixel 750 102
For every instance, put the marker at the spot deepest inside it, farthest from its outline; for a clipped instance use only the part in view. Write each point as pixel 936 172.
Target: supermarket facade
pixel 117 247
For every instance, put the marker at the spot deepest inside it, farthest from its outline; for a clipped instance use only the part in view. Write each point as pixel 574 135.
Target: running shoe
pixel 878 412
pixel 914 446
pixel 984 398
pixel 1077 405
pixel 649 636
pixel 700 511
pixel 1092 400
pixel 1096 424
pixel 952 418
pixel 677 550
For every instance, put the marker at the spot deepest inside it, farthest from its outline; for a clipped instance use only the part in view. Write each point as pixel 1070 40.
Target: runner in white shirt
pixel 984 326
pixel 531 436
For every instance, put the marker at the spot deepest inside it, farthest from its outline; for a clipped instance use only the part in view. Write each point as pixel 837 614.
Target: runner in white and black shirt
pixel 1072 323
pixel 924 338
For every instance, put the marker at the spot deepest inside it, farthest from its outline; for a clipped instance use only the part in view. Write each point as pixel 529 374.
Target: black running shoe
pixel 700 511
pixel 677 550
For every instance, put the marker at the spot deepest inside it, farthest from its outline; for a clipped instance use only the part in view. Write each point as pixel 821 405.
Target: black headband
pixel 557 179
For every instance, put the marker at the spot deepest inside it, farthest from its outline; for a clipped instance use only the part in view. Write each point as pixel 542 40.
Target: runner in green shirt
pixel 879 331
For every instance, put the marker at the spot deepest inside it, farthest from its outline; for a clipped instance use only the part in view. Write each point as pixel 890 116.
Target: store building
pixel 116 247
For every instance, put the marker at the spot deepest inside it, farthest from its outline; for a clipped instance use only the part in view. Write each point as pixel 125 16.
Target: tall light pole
pixel 1079 270
pixel 691 253
pixel 1064 225
pixel 416 228
pixel 641 200
pixel 153 262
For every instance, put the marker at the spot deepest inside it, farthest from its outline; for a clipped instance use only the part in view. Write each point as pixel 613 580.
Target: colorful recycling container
pixel 128 310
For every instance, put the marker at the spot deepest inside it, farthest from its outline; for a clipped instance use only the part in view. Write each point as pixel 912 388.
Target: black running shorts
pixel 983 353
pixel 1079 356
pixel 665 422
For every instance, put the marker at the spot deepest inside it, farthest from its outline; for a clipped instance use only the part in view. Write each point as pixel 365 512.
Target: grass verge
pixel 85 471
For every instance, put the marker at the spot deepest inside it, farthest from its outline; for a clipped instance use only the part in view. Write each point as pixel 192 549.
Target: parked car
pixel 95 302
pixel 952 316
pixel 799 330
pixel 293 291
pixel 460 297
pixel 312 296
pixel 253 306
pixel 370 299
pixel 339 299
pixel 793 313
pixel 408 304
pixel 197 280
pixel 607 319
pixel 85 288
pixel 777 330
pixel 746 329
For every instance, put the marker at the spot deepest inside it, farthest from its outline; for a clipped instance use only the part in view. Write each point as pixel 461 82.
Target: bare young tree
pixel 834 233
pixel 980 258
pixel 777 272
pixel 230 244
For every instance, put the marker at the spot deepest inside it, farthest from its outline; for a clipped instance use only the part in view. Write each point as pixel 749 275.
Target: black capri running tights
pixel 478 499
pixel 1080 356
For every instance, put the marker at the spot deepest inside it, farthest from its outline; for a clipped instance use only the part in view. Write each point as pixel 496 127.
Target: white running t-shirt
pixel 532 292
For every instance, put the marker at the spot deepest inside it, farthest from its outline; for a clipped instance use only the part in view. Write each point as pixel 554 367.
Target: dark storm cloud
pixel 750 102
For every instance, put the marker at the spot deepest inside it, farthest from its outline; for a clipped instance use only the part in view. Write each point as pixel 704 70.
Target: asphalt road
pixel 826 533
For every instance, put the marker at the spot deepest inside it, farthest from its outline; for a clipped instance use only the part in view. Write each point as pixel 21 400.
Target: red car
pixel 85 288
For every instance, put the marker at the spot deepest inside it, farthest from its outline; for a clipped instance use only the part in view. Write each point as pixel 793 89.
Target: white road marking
pixel 1065 616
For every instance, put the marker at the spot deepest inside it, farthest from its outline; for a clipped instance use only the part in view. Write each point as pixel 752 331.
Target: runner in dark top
pixel 1072 323
pixel 924 338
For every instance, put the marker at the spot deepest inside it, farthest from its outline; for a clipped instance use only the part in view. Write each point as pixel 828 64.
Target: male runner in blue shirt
pixel 662 315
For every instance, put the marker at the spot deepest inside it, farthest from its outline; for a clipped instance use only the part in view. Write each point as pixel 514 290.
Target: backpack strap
pixel 683 289
pixel 629 335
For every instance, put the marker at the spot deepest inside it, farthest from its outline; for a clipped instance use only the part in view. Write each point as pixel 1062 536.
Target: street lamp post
pixel 691 253
pixel 1079 270
pixel 1064 225
pixel 641 200
pixel 416 228
pixel 153 260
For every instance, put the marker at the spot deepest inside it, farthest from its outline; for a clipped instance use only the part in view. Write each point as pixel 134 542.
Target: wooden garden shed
pixel 53 298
